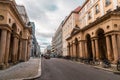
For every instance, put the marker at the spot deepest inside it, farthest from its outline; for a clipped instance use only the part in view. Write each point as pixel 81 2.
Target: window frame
pixel 89 15
pixel 97 9
pixel 107 2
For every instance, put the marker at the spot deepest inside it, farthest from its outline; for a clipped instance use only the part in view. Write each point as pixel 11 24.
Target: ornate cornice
pixel 12 5
pixel 29 29
pixel 6 27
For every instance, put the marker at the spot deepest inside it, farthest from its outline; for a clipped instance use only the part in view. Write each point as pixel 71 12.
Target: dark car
pixel 47 56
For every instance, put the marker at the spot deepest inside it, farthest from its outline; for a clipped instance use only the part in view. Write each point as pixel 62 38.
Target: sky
pixel 47 15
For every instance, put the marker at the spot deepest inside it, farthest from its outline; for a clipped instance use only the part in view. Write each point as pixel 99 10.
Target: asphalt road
pixel 60 69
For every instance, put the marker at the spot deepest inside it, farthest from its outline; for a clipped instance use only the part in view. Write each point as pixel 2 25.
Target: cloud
pixel 42 34
pixel 47 15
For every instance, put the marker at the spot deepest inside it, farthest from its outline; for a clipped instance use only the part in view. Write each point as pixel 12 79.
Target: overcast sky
pixel 47 15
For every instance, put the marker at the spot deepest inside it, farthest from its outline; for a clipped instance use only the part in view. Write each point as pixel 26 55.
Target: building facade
pixel 35 51
pixel 15 35
pixel 68 24
pixel 57 41
pixel 48 50
pixel 98 34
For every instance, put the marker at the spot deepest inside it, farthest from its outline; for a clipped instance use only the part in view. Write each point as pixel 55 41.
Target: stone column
pixel 69 50
pixel 93 49
pixel 109 49
pixel 24 50
pixel 118 40
pixel 72 50
pixel 79 50
pixel 15 48
pixel 20 53
pixel 86 50
pixel 29 48
pixel 68 53
pixel 16 58
pixel 115 48
pixel 82 50
pixel 7 48
pixel 97 49
pixel 3 46
pixel 27 51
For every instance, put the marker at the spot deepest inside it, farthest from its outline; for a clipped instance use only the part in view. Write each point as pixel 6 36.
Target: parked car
pixel 47 56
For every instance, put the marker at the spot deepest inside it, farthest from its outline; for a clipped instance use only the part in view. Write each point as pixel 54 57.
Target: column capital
pixel 108 34
pixel 73 42
pixel 5 27
pixel 15 35
pixel 94 38
pixel 82 40
pixel 112 33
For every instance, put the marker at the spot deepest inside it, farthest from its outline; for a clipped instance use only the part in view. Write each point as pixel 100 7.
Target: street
pixel 60 69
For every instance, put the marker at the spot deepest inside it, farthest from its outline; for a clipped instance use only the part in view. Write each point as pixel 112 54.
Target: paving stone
pixel 21 70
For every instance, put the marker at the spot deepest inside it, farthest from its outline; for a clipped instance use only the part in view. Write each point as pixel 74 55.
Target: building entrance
pixel 102 44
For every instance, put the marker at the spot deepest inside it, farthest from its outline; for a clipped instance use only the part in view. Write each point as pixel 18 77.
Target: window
pixel 9 20
pixel 108 10
pixel 97 9
pixel 107 2
pixel 89 15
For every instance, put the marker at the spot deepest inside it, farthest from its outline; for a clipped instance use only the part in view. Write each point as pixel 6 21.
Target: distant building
pixel 57 41
pixel 35 51
pixel 48 49
pixel 33 27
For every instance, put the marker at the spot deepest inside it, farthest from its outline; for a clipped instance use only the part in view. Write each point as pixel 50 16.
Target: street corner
pixel 37 61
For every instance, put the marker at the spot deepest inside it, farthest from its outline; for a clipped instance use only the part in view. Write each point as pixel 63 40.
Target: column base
pixel 114 67
pixel 2 66
pixel 79 59
pixel 7 65
pixel 14 63
pixel 110 59
pixel 105 65
pixel 21 60
pixel 73 58
pixel 114 62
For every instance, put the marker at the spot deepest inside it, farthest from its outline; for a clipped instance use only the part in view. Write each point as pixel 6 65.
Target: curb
pixel 116 72
pixel 96 67
pixel 38 75
pixel 31 78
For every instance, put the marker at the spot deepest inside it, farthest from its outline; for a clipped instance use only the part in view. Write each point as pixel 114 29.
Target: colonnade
pixel 13 48
pixel 107 47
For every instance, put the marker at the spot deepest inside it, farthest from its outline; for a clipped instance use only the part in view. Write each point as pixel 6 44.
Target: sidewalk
pixel 99 67
pixel 25 70
pixel 107 69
